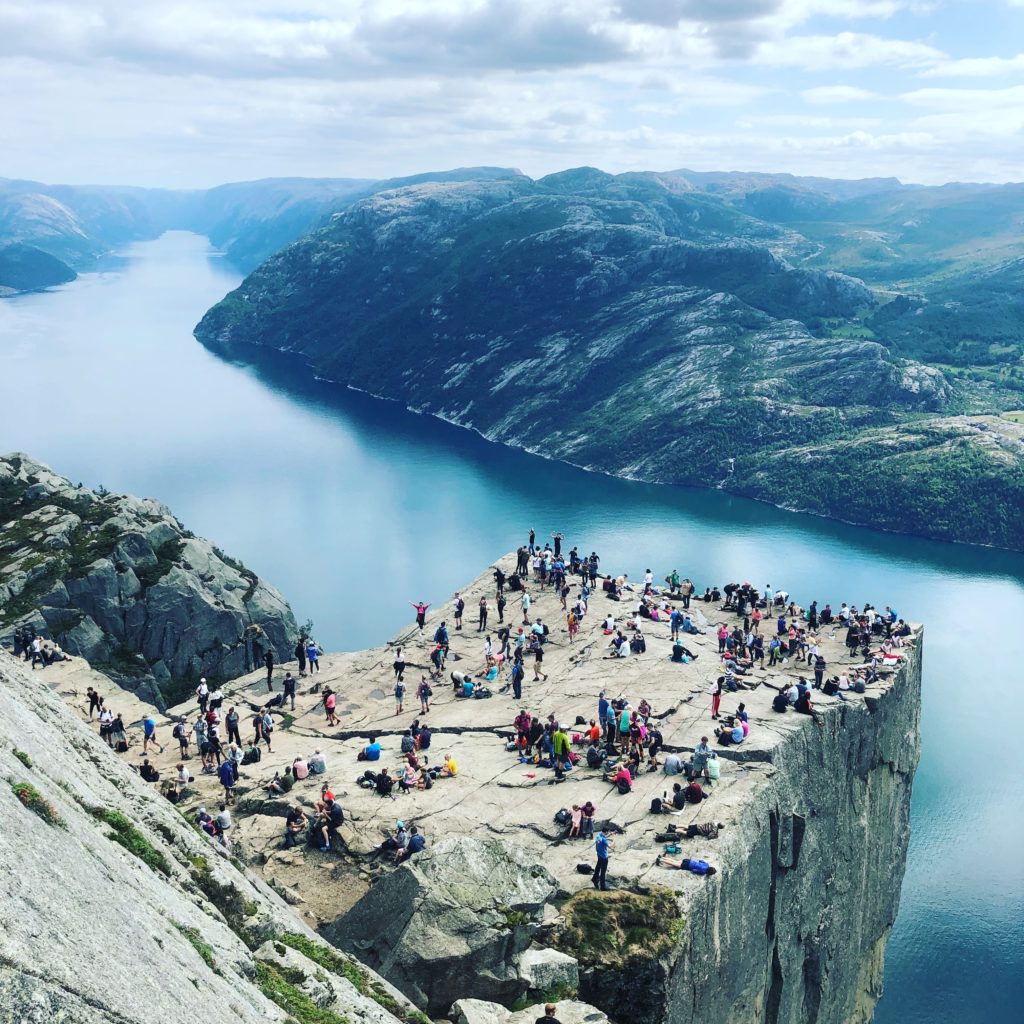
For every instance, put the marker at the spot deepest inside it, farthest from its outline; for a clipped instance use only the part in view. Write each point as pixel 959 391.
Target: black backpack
pixel 563 816
pixel 655 805
pixel 623 787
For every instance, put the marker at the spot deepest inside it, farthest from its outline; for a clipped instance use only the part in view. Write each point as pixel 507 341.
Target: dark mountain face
pixel 24 268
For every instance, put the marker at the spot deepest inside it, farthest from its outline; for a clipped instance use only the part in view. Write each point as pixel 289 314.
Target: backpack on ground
pixel 623 786
pixel 584 869
pixel 656 806
pixel 563 816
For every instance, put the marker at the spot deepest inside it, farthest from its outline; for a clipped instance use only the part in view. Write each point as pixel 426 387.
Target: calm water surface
pixel 353 507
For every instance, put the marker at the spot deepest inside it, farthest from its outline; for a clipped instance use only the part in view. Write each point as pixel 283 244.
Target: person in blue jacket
pixel 697 867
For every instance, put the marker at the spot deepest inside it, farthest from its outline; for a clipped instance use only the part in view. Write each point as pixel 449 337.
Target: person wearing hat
pixel 398 841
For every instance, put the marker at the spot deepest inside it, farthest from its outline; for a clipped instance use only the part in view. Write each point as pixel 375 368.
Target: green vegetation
pixel 226 898
pixel 203 948
pixel 280 986
pixel 615 928
pixel 346 968
pixel 127 835
pixel 31 798
pixel 23 757
pixel 167 556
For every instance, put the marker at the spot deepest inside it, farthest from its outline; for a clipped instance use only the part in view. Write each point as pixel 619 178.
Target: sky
pixel 188 94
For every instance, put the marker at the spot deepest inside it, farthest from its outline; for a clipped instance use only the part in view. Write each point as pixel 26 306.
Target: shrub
pixel 203 948
pixel 31 798
pixel 278 987
pixel 127 835
pixel 23 757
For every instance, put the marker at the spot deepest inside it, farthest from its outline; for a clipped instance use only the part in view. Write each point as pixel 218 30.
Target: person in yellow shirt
pixel 450 769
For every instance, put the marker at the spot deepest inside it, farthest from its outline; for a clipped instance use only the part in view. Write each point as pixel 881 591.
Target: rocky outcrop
pixel 453 923
pixel 478 1011
pixel 119 581
pixel 119 911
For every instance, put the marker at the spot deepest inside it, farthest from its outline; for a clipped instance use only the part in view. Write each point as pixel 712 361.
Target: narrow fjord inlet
pixel 354 507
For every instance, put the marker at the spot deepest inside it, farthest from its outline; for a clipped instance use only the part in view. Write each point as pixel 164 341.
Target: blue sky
pixel 193 94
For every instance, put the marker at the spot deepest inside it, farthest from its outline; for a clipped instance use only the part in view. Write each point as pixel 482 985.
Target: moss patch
pixel 127 835
pixel 226 898
pixel 203 948
pixel 23 757
pixel 613 928
pixel 31 798
pixel 280 988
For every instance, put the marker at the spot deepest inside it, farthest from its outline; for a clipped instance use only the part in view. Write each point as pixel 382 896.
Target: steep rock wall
pixel 793 929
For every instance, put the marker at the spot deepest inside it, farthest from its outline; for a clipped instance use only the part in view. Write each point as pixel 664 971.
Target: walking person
pixel 399 696
pixel 538 660
pixel 424 691
pixel 399 665
pixel 180 732
pixel 500 603
pixel 459 608
pixel 268 660
pixel 330 702
pixel 95 702
pixel 526 607
pixel 149 734
pixel 202 695
pixel 602 847
pixel 268 727
pixel 518 674
pixel 421 613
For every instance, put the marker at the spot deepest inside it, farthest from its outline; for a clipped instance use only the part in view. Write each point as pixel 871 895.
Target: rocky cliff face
pixel 618 324
pixel 24 268
pixel 119 911
pixel 119 581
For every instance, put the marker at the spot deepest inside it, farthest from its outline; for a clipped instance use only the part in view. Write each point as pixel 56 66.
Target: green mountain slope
pixel 634 325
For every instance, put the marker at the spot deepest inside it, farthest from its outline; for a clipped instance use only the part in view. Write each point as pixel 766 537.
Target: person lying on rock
pixel 698 867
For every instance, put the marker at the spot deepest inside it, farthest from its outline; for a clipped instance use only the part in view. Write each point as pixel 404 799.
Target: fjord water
pixel 353 507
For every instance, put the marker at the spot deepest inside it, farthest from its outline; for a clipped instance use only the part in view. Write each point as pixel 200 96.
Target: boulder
pixel 451 923
pixel 549 971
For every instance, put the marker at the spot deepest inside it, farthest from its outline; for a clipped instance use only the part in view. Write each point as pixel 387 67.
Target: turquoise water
pixel 353 507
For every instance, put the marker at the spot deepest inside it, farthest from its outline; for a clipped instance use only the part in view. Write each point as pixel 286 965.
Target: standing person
pixel 533 539
pixel 181 732
pixel 518 674
pixel 300 656
pixel 202 695
pixel 526 607
pixel 716 696
pixel 330 701
pixel 268 660
pixel 399 696
pixel 268 727
pixel 574 626
pixel 499 579
pixel 549 1015
pixel 482 624
pixel 257 728
pixel 459 608
pixel 289 689
pixel 500 603
pixel 149 734
pixel 231 721
pixel 399 665
pixel 421 613
pixel 602 847
pixel 313 655
pixel 423 691
pixel 226 774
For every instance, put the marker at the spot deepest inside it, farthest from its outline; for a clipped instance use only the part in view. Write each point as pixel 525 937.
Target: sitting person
pixel 281 783
pixel 694 793
pixel 449 769
pixel 618 775
pixel 300 770
pixel 595 756
pixel 330 823
pixel 396 841
pixel 384 783
pixel 673 764
pixel 678 796
pixel 148 772
pixel 726 734
pixel 416 844
pixel 698 867
pixel 618 648
pixel 423 740
pixel 318 763
pixel 170 792
pixel 252 754
pixel 294 824
pixel 371 752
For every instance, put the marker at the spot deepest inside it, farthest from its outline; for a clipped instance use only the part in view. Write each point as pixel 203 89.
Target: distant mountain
pixel 635 326
pixel 24 268
pixel 249 220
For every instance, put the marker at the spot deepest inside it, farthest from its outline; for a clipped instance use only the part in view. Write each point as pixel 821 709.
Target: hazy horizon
pixel 187 94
